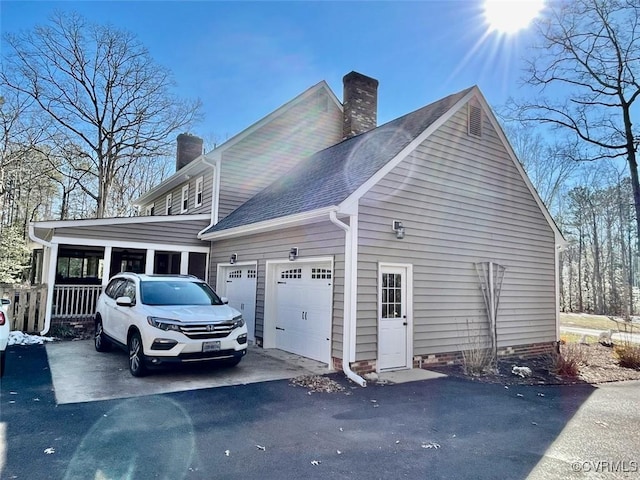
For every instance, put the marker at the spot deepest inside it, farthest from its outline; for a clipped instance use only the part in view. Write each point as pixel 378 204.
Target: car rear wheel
pixel 100 340
pixel 137 359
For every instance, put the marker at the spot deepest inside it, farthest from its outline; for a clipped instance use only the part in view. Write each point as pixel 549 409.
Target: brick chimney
pixel 360 104
pixel 189 148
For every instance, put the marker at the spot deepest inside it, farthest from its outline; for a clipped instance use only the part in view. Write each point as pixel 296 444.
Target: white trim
pixel 268 225
pixel 269 319
pixel 557 289
pixel 184 199
pixel 150 261
pixel 174 181
pixel 184 262
pixel 199 190
pixel 93 222
pixel 51 281
pixel 93 242
pixel 149 210
pixel 106 259
pixel 408 268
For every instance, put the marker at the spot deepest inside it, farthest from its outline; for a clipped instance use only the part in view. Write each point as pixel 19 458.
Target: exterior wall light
pixel 398 228
pixel 233 259
pixel 293 254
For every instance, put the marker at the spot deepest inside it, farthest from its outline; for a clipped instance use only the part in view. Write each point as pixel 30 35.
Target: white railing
pixel 75 301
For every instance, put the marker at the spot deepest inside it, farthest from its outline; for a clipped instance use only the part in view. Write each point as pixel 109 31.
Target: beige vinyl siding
pixel 462 201
pixel 176 197
pixel 272 150
pixel 319 240
pixel 172 233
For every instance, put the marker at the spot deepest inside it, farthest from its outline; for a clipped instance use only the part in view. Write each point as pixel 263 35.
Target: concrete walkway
pixel 80 374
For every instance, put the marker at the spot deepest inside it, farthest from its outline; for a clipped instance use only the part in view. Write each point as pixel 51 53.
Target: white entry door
pixel 303 309
pixel 393 328
pixel 241 292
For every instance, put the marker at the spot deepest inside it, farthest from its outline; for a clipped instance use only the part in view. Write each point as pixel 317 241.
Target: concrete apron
pixel 80 374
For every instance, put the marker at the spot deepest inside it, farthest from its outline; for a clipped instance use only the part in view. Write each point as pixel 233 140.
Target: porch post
pixel 184 263
pixel 51 281
pixel 106 268
pixel 151 256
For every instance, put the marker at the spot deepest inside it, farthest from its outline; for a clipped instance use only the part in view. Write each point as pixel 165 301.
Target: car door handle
pixel 278 328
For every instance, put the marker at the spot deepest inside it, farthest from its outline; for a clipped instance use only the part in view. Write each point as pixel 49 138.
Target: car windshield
pixel 168 292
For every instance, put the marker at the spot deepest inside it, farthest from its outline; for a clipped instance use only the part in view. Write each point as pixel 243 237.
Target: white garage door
pixel 241 292
pixel 303 304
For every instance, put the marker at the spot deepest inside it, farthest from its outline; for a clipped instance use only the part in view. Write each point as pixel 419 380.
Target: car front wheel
pixel 100 340
pixel 137 359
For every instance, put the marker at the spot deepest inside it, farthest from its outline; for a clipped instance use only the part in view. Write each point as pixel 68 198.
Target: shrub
pixel 567 362
pixel 628 355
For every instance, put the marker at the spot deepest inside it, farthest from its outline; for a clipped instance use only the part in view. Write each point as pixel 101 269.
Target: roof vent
pixel 474 120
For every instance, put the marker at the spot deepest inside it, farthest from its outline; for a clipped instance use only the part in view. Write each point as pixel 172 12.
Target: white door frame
pixel 270 307
pixel 221 286
pixel 408 274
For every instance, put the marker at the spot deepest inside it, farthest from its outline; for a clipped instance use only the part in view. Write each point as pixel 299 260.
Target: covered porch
pixel 75 259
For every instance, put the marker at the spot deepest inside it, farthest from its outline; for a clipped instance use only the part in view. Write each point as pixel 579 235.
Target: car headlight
pixel 164 323
pixel 238 321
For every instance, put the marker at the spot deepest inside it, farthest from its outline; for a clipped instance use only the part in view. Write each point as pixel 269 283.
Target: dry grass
pixel 585 320
pixel 567 363
pixel 628 355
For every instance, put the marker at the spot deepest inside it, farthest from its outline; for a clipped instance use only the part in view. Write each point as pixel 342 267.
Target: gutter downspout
pixel 53 256
pixel 216 190
pixel 350 285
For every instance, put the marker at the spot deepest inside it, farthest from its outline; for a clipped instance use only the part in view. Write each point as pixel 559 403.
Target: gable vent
pixel 474 120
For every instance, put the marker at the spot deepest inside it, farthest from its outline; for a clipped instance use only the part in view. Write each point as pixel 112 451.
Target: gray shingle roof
pixel 328 177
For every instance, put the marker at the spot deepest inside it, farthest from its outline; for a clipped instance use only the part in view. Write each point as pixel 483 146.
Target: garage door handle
pixel 282 283
pixel 404 323
pixel 278 328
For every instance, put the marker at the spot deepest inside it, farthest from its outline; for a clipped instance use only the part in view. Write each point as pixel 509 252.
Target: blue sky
pixel 245 59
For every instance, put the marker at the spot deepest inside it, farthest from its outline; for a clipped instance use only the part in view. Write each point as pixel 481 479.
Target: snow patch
pixel 20 338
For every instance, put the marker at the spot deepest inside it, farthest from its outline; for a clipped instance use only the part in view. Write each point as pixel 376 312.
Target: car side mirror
pixel 6 301
pixel 124 301
pixel 225 300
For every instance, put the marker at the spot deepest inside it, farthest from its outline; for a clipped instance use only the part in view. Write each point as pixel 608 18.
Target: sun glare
pixel 511 16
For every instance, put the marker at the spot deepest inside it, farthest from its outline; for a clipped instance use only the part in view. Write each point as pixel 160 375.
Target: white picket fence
pixel 72 302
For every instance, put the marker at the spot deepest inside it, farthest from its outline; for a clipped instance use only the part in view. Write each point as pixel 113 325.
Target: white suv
pixel 167 318
pixel 4 331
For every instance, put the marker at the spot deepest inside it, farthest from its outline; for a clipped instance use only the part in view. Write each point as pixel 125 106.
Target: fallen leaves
pixel 317 383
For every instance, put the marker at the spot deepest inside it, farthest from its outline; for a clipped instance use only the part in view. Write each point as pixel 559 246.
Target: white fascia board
pixel 559 238
pixel 93 222
pixel 94 242
pixel 304 218
pixel 350 203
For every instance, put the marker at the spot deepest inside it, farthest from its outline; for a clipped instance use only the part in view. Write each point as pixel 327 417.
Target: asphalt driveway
pixel 444 428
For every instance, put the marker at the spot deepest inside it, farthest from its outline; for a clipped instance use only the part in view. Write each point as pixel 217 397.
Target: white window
pixel 168 202
pixel 150 210
pixel 184 205
pixel 199 183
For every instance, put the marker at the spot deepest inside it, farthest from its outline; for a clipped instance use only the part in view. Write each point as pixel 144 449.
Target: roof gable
pixel 202 163
pixel 331 176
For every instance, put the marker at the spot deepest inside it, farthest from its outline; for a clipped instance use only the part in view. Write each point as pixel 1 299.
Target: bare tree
pixel 590 53
pixel 108 100
pixel 549 166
